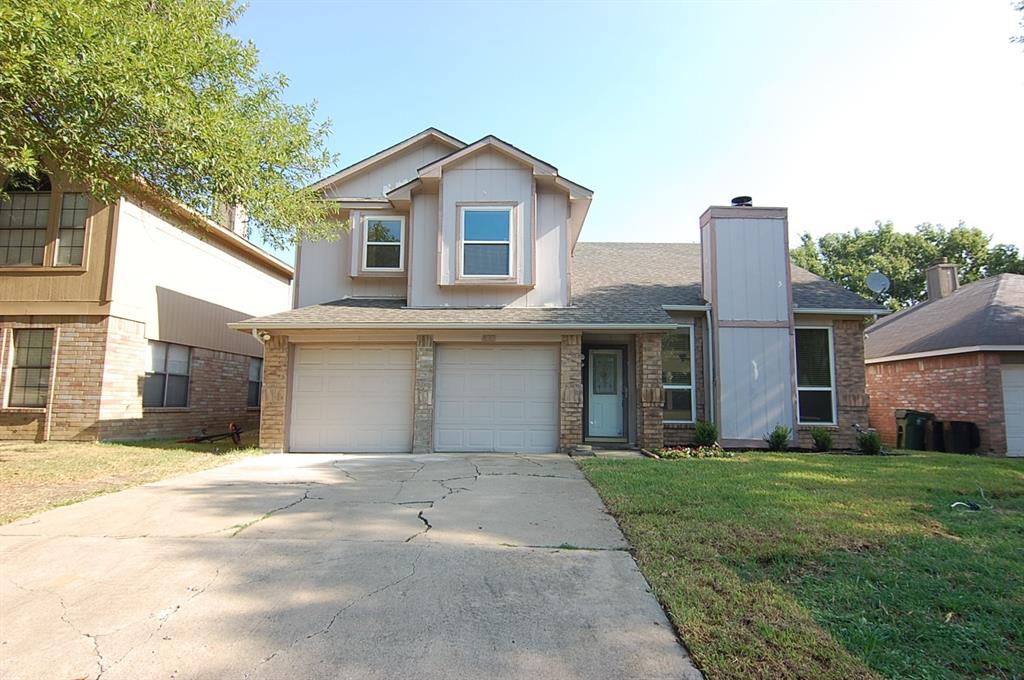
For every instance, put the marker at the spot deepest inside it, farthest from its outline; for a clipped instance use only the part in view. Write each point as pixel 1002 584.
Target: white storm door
pixel 605 393
pixel 1013 405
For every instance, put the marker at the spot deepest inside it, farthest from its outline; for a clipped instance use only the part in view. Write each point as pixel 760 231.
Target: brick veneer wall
pixel 98 379
pixel 274 400
pixel 423 396
pixel 678 434
pixel 570 402
pixel 955 387
pixel 851 393
pixel 650 401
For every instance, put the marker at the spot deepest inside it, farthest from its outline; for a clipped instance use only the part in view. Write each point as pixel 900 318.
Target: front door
pixel 605 392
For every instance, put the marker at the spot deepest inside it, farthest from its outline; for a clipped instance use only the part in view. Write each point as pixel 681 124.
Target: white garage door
pixel 352 398
pixel 1013 402
pixel 498 398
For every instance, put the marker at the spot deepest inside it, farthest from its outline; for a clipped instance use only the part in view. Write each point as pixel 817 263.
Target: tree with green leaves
pixel 118 92
pixel 848 258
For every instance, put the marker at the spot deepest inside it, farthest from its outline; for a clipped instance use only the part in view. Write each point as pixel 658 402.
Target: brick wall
pixel 99 370
pixel 423 396
pixel 274 400
pixel 955 387
pixel 649 404
pixel 76 374
pixel 851 394
pixel 570 402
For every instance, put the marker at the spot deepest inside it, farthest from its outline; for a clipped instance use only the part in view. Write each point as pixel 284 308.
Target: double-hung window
pixel 383 243
pixel 30 370
pixel 677 376
pixel 255 381
pixel 24 220
pixel 167 374
pixel 486 233
pixel 74 208
pixel 815 376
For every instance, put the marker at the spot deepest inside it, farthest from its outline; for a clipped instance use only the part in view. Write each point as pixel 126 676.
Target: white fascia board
pixel 946 352
pixel 245 325
pixel 841 311
pixel 686 308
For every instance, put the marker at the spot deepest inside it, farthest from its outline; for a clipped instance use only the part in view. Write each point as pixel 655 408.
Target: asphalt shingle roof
pixel 987 312
pixel 613 283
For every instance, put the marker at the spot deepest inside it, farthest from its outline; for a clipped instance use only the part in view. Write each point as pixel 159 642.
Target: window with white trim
pixel 486 233
pixel 24 220
pixel 815 376
pixel 167 375
pixel 677 376
pixel 383 243
pixel 255 381
pixel 30 370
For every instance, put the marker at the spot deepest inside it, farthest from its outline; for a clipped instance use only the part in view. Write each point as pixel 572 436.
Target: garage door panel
pixel 352 398
pixel 496 398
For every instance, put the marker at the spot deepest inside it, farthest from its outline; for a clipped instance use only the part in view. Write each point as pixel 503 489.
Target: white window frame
pixel 510 209
pixel 367 243
pixel 693 381
pixel 832 377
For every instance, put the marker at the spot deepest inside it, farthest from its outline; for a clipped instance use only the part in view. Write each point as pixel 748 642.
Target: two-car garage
pixel 359 398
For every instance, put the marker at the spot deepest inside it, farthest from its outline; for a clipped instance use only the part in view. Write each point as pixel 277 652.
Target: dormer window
pixel 486 237
pixel 383 243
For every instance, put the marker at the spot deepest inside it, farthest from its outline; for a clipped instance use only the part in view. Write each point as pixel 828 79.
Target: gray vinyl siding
pixel 324 268
pixel 755 381
pixel 388 174
pixel 752 270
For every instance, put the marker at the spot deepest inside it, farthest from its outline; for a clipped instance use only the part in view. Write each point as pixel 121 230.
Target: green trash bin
pixel 910 428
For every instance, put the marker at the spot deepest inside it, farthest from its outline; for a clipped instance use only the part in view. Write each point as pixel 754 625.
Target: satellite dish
pixel 878 282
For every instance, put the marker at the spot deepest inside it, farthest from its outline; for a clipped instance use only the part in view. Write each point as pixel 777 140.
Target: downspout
pixel 709 380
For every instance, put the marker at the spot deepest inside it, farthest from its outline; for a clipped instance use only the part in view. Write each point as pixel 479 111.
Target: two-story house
pixel 113 316
pixel 462 313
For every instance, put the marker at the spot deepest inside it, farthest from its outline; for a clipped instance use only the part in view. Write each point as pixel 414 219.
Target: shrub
pixel 677 452
pixel 705 434
pixel 822 439
pixel 870 443
pixel 778 439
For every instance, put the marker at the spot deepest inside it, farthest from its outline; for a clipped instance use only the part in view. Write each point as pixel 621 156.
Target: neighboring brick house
pixel 462 314
pixel 113 316
pixel 959 355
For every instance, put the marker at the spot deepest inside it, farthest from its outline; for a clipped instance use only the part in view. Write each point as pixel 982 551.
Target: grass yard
pixel 831 566
pixel 36 477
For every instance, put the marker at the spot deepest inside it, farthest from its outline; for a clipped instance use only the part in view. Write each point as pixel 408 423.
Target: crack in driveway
pixel 305 497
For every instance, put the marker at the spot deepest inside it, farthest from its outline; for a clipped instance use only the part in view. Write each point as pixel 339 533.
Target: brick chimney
pixel 234 218
pixel 941 278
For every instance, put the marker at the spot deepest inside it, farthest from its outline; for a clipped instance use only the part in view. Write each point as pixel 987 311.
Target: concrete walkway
pixel 315 566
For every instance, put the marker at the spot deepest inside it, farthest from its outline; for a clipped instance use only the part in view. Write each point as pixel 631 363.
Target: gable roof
pixel 622 285
pixel 358 166
pixel 986 313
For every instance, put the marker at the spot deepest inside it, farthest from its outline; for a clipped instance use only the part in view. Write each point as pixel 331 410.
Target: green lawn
pixel 831 566
pixel 36 477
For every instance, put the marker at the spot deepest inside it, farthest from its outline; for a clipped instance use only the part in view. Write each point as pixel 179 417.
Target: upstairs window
pixel 167 375
pixel 255 381
pixel 815 376
pixel 383 243
pixel 24 219
pixel 74 208
pixel 486 241
pixel 677 376
pixel 30 370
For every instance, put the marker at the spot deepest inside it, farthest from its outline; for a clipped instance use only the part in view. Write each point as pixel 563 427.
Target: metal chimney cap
pixel 742 201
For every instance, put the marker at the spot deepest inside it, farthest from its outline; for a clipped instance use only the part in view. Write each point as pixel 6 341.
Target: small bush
pixel 677 452
pixel 870 443
pixel 778 439
pixel 705 434
pixel 822 439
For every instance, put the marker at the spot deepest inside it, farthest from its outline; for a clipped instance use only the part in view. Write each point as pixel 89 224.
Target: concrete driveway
pixel 315 566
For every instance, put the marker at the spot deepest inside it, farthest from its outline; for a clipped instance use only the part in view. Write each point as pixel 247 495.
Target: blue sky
pixel 846 112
